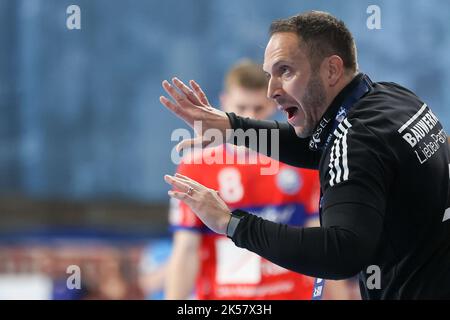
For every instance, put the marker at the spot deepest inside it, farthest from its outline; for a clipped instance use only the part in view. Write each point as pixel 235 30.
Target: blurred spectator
pixel 41 272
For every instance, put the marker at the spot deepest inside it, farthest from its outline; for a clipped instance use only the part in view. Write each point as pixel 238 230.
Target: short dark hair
pixel 323 34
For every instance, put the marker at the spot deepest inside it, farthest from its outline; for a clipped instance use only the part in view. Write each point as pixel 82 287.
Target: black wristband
pixel 236 217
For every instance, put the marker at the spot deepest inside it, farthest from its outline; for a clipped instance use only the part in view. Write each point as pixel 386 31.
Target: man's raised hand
pixel 191 105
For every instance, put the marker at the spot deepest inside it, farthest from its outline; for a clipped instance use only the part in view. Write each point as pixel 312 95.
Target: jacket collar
pixel 337 110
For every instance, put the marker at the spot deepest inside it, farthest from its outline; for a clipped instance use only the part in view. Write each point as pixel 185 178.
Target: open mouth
pixel 291 112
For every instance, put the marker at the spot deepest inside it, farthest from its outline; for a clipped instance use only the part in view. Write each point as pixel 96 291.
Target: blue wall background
pixel 80 117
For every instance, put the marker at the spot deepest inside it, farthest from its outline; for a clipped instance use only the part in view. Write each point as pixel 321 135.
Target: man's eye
pixel 284 69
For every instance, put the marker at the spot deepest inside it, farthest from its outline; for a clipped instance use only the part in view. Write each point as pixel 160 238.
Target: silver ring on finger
pixel 190 190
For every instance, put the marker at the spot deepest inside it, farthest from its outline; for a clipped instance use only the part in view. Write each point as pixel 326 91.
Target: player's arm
pixel 353 207
pixel 335 289
pixel 191 105
pixel 352 216
pixel 279 139
pixel 337 250
pixel 183 265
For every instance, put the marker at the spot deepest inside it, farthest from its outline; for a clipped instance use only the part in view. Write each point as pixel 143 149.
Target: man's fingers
pixel 171 91
pixel 183 183
pixel 199 92
pixel 189 181
pixel 170 105
pixel 197 142
pixel 179 184
pixel 187 91
pixel 185 144
pixel 183 177
pixel 197 186
pixel 181 196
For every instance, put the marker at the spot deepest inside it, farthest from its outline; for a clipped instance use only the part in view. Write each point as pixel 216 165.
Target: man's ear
pixel 334 67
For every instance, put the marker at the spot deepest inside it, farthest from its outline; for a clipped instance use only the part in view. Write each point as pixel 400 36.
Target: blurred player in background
pixel 210 264
pixel 153 268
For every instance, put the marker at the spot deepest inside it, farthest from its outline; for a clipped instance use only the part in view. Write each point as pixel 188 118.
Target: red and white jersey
pixel 290 196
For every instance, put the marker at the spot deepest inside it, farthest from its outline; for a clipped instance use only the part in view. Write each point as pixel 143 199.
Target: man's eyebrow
pixel 277 63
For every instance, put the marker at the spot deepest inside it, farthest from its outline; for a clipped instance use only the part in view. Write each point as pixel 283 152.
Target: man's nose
pixel 274 89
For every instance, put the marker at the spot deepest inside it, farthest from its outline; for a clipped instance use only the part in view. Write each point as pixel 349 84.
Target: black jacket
pixel 385 184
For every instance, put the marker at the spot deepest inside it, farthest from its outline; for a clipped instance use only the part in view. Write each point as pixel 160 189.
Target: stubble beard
pixel 314 102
